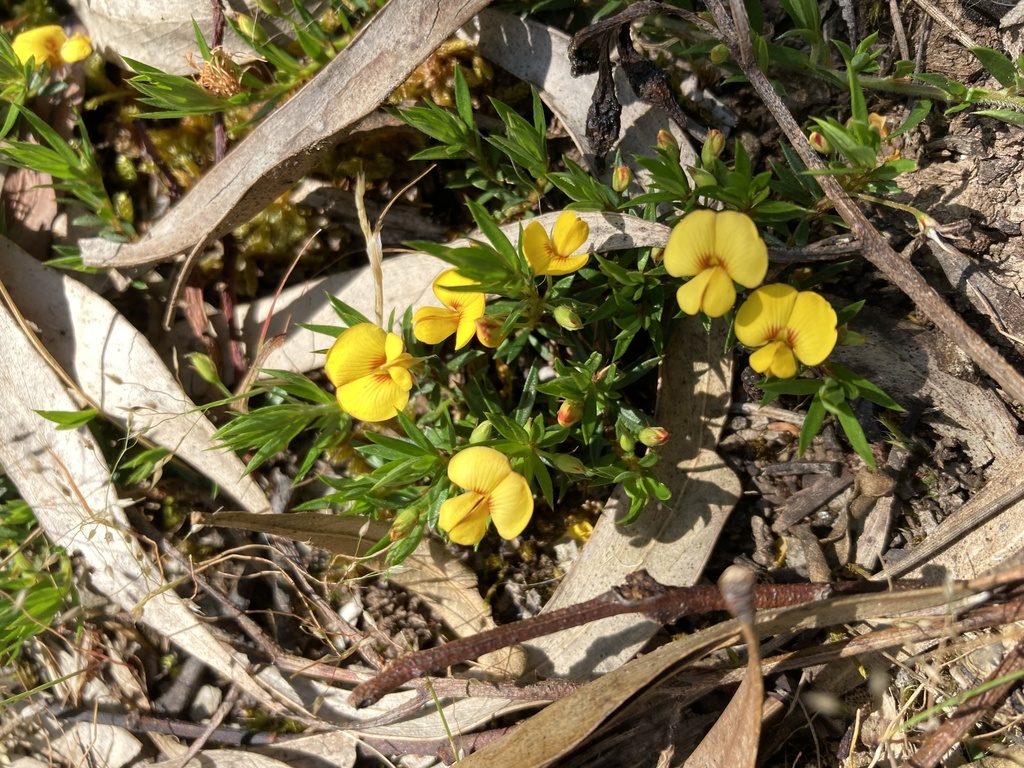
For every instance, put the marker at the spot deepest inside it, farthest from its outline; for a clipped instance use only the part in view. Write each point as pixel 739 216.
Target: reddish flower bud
pixel 652 437
pixel 668 142
pixel 488 330
pixel 820 143
pixel 622 177
pixel 569 412
pixel 714 144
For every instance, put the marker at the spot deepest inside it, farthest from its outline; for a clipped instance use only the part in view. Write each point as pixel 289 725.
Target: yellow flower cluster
pixel 717 250
pixel 51 46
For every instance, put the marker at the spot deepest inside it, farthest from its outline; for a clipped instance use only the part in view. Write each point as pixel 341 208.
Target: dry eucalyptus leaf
pixel 538 54
pixel 672 541
pixel 555 731
pixel 226 758
pixel 336 749
pixel 119 370
pixel 294 138
pixel 159 32
pixel 64 478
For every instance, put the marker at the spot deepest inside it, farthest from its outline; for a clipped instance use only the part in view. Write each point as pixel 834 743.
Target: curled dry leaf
pixel 66 482
pixel 119 370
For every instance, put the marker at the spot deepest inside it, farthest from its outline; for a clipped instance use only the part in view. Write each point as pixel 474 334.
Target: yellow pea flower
pixel 370 371
pixel 714 249
pixel 49 44
pixel 786 325
pixel 460 313
pixel 554 255
pixel 493 491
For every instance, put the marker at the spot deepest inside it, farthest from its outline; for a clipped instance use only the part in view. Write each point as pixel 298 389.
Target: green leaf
pixel 70 419
pixel 855 434
pixel 812 424
pixel 1000 67
pixel 916 116
pixel 348 315
pixel 1006 115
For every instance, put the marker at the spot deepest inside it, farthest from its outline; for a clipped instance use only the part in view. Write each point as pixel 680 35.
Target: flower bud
pixel 569 412
pixel 652 437
pixel 488 330
pixel 251 30
pixel 657 254
pixel 569 464
pixel 404 524
pixel 668 142
pixel 626 442
pixel 481 433
pixel 702 178
pixel 719 54
pixel 622 177
pixel 269 7
pixel 713 146
pixel 820 143
pixel 566 318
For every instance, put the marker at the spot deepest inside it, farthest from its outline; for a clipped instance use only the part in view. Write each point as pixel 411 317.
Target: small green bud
pixel 569 412
pixel 652 437
pixel 622 177
pixel 719 54
pixel 626 442
pixel 702 178
pixel 569 464
pixel 820 143
pixel 668 142
pixel 566 318
pixel 481 433
pixel 205 367
pixel 713 146
pixel 251 30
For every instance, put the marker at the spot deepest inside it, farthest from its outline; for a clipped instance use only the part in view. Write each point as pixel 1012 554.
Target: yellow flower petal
pixel 450 278
pixel 705 239
pixel 401 376
pixel 478 468
pixel 720 294
pixel 467 326
pixel 464 518
pixel 691 245
pixel 564 265
pixel 357 352
pixel 511 505
pixel 774 359
pixel 394 347
pixel 373 398
pixel 569 234
pixel 765 314
pixel 77 48
pixel 740 248
pixel 812 328
pixel 711 292
pixel 42 44
pixel 536 247
pixel 432 325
